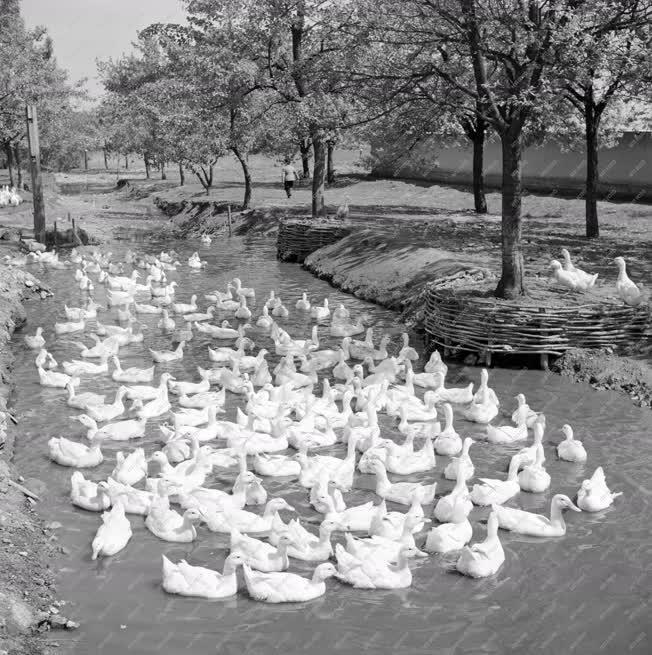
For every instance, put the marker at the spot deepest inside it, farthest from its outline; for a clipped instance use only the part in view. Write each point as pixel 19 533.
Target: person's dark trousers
pixel 288 187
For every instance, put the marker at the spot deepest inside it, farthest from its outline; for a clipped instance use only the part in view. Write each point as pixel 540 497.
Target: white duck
pixel 279 310
pixel 342 329
pixel 163 356
pixel 82 400
pixel 534 477
pixel 260 555
pixel 147 392
pixel 570 280
pixel 239 290
pixel 108 412
pixel 307 547
pixel 529 453
pixel 583 277
pixel 70 326
pixel 169 525
pixel 183 579
pixel 88 494
pixel 399 492
pixel 114 533
pixel 436 365
pixel 276 465
pixel 130 469
pixel 36 341
pixel 375 573
pixel 186 388
pixel 132 375
pixel 185 308
pixel 483 559
pixel 56 380
pixel 451 536
pixel 243 312
pixel 448 442
pixel 462 462
pixel 118 431
pixel 78 455
pixel 45 360
pixel 457 395
pixel 496 492
pixel 303 303
pixel 354 519
pixel 286 587
pixel 265 321
pixel 631 293
pixel 446 505
pixel 376 547
pixel 320 313
pixel 594 495
pixel 77 367
pixel 507 434
pixel 165 322
pixel 246 521
pixel 483 409
pixel 530 416
pixel 536 525
pixel 571 450
pixel 135 501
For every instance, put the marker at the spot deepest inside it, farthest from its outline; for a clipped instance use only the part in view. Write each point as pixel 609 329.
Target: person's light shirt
pixel 289 173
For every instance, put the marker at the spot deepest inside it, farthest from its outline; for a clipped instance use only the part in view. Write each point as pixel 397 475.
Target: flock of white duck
pixel 278 411
pixel 568 275
pixel 9 197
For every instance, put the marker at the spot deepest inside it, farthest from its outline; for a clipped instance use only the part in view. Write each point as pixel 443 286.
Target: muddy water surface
pixel 585 593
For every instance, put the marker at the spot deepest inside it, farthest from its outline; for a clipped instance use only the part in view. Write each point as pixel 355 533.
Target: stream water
pixel 588 592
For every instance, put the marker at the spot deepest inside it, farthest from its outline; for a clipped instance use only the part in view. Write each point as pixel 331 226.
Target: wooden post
pixel 76 241
pixel 35 167
pixel 228 209
pixel 55 233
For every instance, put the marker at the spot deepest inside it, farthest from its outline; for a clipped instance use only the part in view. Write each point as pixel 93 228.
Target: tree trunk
pixel 205 177
pixel 247 176
pixel 106 159
pixel 10 162
pixel 182 175
pixel 319 152
pixel 85 160
pixel 19 170
pixel 591 120
pixel 330 164
pixel 479 198
pixel 164 174
pixel 511 281
pixel 146 158
pixel 126 162
pixel 304 147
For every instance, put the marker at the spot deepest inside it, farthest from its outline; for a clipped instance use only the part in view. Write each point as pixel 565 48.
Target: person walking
pixel 289 177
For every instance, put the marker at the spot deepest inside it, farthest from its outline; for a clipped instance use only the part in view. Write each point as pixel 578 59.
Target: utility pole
pixel 35 167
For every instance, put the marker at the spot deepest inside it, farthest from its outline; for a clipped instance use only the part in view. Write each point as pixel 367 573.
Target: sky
pixel 86 30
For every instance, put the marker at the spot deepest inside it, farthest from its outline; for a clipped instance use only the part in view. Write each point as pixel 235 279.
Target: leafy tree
pixel 30 75
pixel 295 45
pixel 608 62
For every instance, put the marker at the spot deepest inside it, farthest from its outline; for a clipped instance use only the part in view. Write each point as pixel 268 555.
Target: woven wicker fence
pixel 546 323
pixel 298 238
